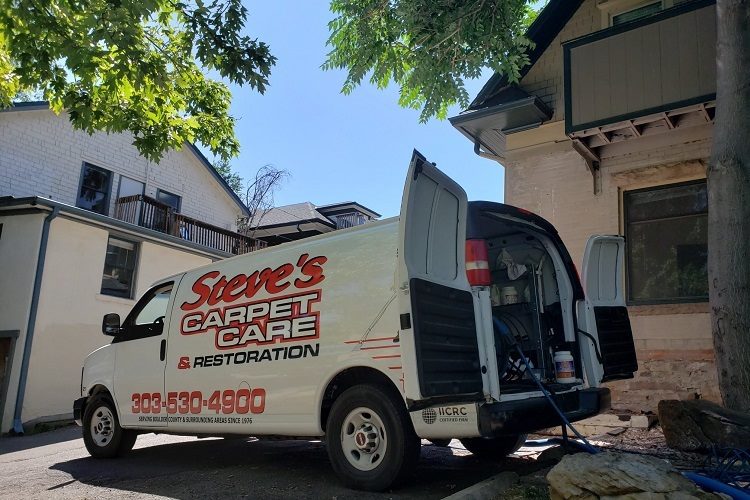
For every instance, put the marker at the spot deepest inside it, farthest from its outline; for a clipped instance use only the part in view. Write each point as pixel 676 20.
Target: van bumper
pixel 528 415
pixel 78 408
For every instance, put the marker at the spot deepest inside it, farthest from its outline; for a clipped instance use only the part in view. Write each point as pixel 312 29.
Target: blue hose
pixel 503 329
pixel 710 484
pixel 704 482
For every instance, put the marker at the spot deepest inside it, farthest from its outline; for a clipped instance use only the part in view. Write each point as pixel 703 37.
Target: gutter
pixel 87 217
pixel 17 424
pixel 478 151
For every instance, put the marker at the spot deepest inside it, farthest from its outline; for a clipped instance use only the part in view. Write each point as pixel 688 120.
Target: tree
pixel 233 179
pixel 729 206
pixel 429 48
pixel 133 65
pixel 259 196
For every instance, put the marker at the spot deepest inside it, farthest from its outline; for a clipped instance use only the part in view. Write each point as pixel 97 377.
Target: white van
pixel 374 337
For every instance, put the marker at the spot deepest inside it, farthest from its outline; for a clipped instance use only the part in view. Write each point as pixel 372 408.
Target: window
pixel 119 268
pixel 147 317
pixel 637 13
pixel 349 219
pixel 169 199
pixel 130 187
pixel 155 309
pixel 666 232
pixel 95 187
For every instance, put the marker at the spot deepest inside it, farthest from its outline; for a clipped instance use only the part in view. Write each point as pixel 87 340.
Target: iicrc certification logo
pixel 445 414
pixel 429 416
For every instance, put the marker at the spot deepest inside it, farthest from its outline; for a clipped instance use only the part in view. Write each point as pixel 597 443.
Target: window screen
pixel 666 235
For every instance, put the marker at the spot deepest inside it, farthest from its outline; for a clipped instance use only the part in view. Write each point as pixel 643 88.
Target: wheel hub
pixel 363 439
pixel 366 438
pixel 102 426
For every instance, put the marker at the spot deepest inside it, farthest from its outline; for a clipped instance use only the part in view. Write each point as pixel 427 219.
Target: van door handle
pixel 163 349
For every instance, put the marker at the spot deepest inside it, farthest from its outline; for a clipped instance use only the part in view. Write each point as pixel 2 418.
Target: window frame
pixel 137 250
pixel 626 231
pixel 107 193
pixel 612 8
pixel 132 331
pixel 179 199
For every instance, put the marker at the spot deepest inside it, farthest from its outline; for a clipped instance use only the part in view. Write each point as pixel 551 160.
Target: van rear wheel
pixel 102 434
pixel 370 439
pixel 494 448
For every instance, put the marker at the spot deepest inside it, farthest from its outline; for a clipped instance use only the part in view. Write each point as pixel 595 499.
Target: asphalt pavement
pixel 56 464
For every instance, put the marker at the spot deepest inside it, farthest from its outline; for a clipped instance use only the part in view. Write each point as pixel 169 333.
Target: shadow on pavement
pixel 12 444
pixel 239 468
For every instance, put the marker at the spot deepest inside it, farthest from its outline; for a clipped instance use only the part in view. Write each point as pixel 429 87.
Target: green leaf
pixel 428 48
pixel 134 65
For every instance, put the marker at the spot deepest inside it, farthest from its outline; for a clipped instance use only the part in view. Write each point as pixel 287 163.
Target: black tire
pixel 102 434
pixel 494 448
pixel 396 440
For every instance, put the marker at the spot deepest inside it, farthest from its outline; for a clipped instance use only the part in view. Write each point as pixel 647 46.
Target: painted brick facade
pixel 42 155
pixel 544 174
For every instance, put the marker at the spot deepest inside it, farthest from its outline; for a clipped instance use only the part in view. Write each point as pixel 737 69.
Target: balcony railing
pixel 147 212
pixel 648 66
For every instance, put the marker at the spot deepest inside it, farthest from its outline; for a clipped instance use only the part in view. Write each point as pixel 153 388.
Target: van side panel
pixel 255 339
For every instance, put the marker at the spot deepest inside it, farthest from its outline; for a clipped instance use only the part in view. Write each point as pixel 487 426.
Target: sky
pixel 337 147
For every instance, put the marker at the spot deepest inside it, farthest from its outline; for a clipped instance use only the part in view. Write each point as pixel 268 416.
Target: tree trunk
pixel 729 206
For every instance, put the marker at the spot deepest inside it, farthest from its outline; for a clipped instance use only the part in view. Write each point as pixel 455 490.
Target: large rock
pixel 696 425
pixel 619 476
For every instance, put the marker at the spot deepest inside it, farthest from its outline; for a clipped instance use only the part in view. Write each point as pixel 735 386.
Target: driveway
pixel 56 465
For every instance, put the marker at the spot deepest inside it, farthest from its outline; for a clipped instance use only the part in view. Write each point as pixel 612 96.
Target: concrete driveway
pixel 56 465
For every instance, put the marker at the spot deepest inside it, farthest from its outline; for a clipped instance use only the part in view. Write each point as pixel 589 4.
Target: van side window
pixel 155 308
pixel 147 317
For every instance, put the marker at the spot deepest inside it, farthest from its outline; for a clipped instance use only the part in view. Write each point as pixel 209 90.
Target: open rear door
pixel 438 328
pixel 603 315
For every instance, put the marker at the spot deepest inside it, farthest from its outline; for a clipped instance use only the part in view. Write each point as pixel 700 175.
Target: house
pixel 300 220
pixel 609 131
pixel 86 225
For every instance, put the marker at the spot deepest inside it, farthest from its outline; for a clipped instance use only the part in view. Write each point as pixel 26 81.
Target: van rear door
pixel 438 330
pixel 603 317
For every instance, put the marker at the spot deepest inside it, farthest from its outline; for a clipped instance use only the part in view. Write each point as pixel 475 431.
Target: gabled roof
pixel 40 105
pixel 542 31
pixel 288 215
pixel 306 212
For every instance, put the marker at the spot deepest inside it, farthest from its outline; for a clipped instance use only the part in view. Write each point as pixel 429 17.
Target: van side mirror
pixel 111 324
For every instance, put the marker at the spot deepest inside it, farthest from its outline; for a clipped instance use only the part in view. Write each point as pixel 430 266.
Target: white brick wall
pixel 41 155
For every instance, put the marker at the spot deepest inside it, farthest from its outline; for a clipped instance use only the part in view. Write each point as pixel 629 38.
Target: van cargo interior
pixel 525 295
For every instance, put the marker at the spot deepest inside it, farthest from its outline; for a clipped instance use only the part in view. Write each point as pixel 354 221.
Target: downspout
pixel 17 425
pixel 478 151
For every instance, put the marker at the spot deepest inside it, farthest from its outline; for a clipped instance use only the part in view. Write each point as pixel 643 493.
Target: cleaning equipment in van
pixel 503 329
pixel 565 372
pixel 515 271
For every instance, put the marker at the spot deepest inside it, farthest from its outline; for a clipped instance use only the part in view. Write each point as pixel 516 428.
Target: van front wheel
pixel 102 434
pixel 494 448
pixel 370 439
